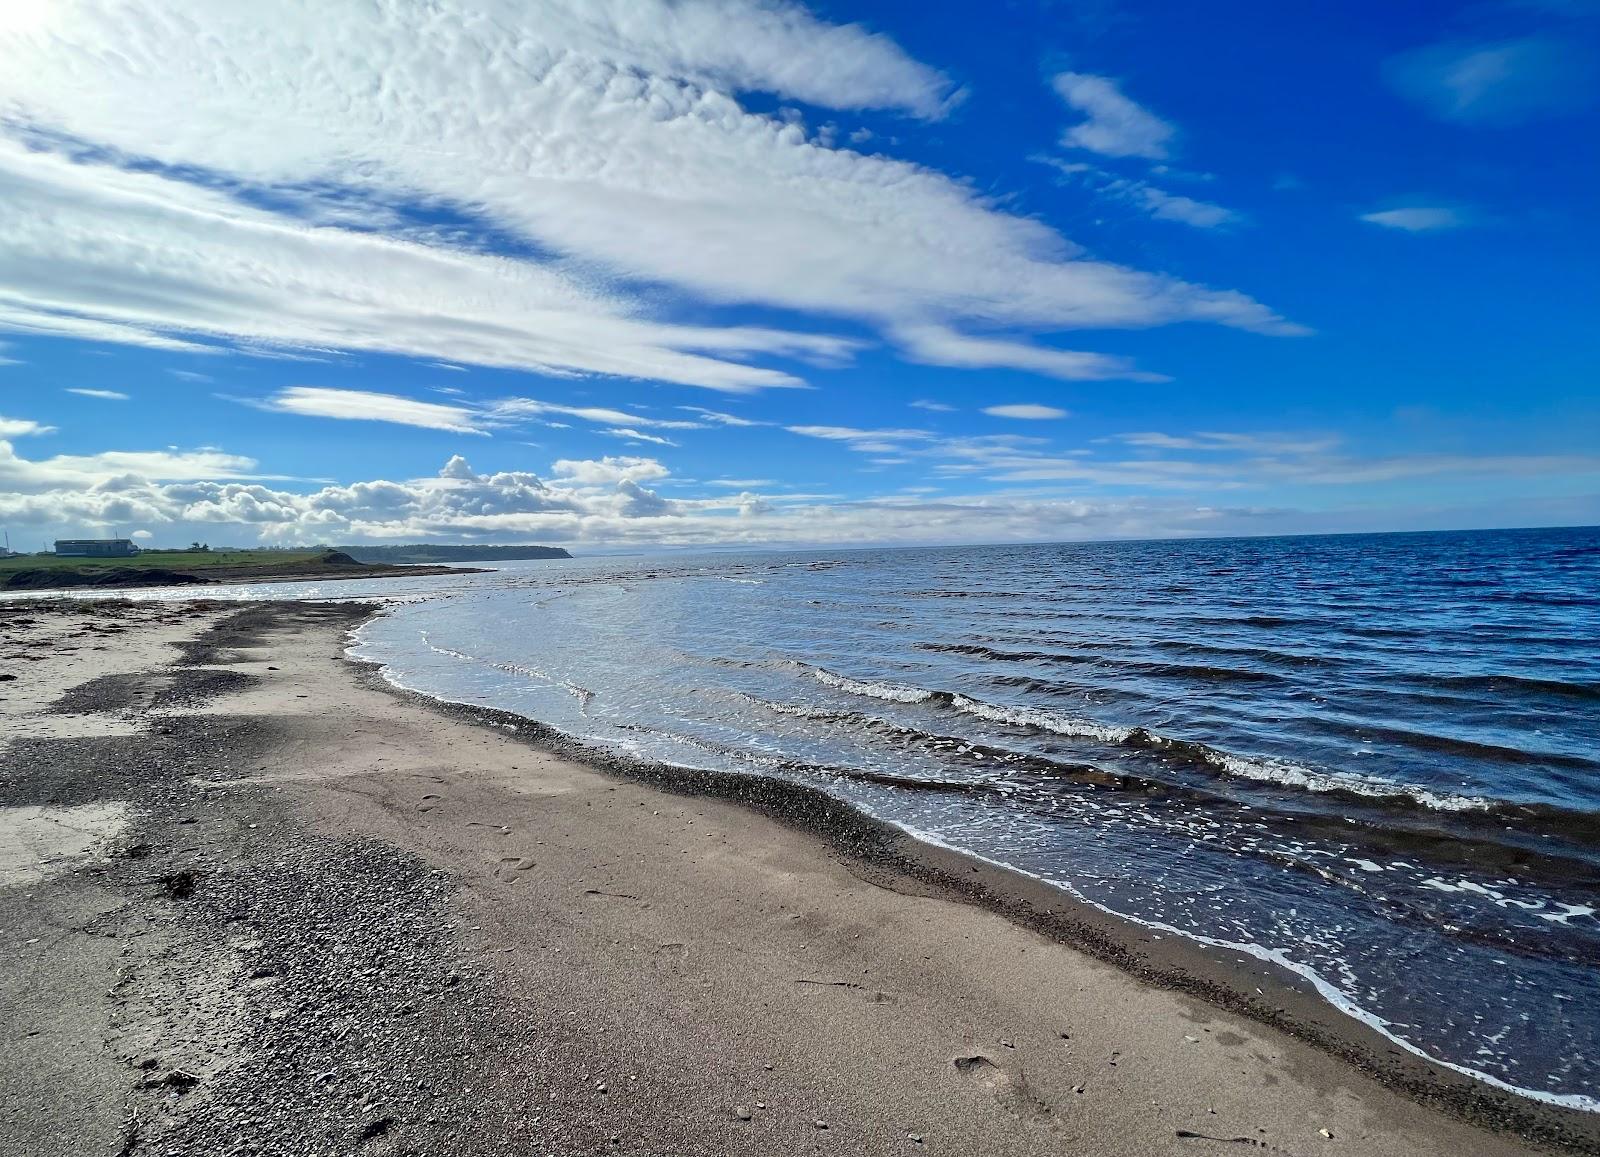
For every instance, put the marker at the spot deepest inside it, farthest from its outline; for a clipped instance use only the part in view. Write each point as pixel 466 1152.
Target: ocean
pixel 1373 760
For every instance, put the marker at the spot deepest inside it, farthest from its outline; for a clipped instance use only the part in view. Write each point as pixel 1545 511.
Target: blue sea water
pixel 1372 760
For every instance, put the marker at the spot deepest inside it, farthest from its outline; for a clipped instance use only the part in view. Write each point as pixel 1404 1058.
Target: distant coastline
pixel 197 568
pixel 434 553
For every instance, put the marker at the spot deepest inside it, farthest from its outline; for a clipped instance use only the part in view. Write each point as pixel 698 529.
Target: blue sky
pixel 636 274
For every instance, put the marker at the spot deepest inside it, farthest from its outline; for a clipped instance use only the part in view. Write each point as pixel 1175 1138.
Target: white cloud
pixel 364 406
pixel 865 441
pixel 638 436
pixel 607 503
pixel 609 133
pixel 107 395
pixel 1239 443
pixel 22 427
pixel 87 242
pixel 1499 82
pixel 719 418
pixel 1164 206
pixel 1148 199
pixel 112 469
pixel 509 408
pixel 934 345
pixel 1030 411
pixel 1421 219
pixel 608 471
pixel 935 407
pixel 1114 126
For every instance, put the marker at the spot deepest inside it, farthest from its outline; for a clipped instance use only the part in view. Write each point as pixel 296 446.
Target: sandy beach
pixel 254 900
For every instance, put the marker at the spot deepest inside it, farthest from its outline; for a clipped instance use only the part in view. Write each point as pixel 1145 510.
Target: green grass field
pixel 183 560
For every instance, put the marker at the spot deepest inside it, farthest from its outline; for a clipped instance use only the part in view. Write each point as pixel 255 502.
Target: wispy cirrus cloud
pixel 619 140
pixel 880 441
pixel 366 406
pixel 718 418
pixel 637 436
pixel 1235 443
pixel 104 395
pixel 481 418
pixel 1134 134
pixel 1027 411
pixel 1113 125
pixel 1500 82
pixel 1141 196
pixel 1419 218
pixel 935 345
pixel 512 408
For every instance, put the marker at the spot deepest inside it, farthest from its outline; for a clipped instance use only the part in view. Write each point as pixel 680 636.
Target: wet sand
pixel 252 900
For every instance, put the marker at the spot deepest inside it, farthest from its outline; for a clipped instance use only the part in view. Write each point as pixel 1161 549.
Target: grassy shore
pixel 254 900
pixel 184 567
pixel 180 560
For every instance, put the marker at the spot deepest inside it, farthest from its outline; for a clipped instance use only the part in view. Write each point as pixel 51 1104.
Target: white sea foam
pixel 1044 720
pixel 1261 769
pixel 891 692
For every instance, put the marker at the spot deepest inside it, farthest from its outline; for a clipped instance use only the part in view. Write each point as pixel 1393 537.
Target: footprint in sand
pixel 510 868
pixel 429 802
pixel 1012 1092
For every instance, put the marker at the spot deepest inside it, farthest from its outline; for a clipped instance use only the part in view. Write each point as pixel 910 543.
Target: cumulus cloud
pixel 1420 219
pixel 1030 411
pixel 22 427
pixel 610 501
pixel 112 470
pixel 617 141
pixel 1113 125
pixel 608 471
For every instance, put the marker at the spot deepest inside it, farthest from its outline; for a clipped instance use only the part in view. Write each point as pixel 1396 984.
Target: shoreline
pixel 1226 977
pixel 267 692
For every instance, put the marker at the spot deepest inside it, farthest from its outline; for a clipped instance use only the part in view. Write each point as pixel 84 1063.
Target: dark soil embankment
pixel 55 578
